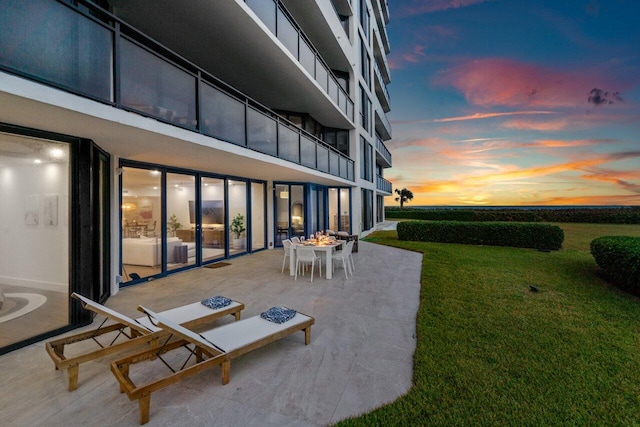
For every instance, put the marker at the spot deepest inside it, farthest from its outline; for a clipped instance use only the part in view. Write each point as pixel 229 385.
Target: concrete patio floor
pixel 360 356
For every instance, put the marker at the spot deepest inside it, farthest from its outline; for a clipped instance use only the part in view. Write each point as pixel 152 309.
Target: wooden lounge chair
pixel 213 347
pixel 140 331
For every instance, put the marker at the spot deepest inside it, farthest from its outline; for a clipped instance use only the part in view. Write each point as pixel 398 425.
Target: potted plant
pixel 237 228
pixel 173 224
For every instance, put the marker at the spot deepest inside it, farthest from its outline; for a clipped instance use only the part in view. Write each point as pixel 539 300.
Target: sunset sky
pixel 510 102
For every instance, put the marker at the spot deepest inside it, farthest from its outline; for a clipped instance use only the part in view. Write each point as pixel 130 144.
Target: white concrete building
pixel 142 138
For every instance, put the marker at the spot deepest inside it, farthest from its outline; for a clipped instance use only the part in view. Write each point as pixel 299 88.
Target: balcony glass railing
pixel 280 22
pixel 382 149
pixel 75 49
pixel 383 86
pixel 382 184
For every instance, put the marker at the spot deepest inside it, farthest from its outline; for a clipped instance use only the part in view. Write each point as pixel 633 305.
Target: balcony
pixel 383 185
pixel 381 58
pixel 382 125
pixel 381 89
pixel 77 50
pixel 277 18
pixel 383 156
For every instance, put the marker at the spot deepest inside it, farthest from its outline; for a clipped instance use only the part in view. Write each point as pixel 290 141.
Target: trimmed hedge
pixel 519 235
pixel 619 259
pixel 624 215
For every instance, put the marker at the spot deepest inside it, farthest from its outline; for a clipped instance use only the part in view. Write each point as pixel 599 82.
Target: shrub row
pixel 625 215
pixel 619 259
pixel 520 235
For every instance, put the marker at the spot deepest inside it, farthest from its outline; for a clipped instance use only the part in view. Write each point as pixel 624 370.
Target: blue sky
pixel 509 102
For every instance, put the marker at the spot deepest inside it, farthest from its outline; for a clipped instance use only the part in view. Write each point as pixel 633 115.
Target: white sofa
pixel 148 250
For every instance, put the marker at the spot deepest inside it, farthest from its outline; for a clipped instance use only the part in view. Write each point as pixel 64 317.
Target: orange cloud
pixel 559 143
pixel 623 200
pixel 508 184
pixel 543 126
pixel 478 116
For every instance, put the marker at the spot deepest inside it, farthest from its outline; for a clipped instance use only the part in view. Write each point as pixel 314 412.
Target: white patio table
pixel 327 248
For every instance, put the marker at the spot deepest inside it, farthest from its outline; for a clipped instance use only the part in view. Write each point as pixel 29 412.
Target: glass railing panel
pixel 307 152
pixel 342 101
pixel 222 116
pixel 75 52
pixel 333 90
pixel 266 11
pixel 321 74
pixel 343 167
pixel 261 132
pixel 288 144
pixel 288 34
pixel 153 86
pixel 307 58
pixel 350 109
pixel 350 171
pixel 323 159
pixel 334 165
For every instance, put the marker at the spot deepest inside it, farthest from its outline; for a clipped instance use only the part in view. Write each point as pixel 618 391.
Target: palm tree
pixel 404 196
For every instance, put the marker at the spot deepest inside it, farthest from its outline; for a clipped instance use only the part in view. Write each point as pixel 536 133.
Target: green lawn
pixel 491 352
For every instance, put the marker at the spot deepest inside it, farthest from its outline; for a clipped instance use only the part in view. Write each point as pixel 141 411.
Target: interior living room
pixel 194 231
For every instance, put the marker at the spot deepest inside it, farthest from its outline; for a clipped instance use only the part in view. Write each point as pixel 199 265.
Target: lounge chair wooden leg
pixel 72 373
pixel 237 315
pixel 144 403
pixel 226 368
pixel 307 336
pixel 125 373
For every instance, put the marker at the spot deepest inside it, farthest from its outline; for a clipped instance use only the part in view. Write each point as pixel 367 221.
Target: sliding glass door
pixel 141 213
pixel 212 217
pixel 182 228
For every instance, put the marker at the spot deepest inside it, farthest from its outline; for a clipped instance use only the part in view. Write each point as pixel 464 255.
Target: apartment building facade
pixel 139 139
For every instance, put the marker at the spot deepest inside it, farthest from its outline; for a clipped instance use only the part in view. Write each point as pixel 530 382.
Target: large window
pixel 365 63
pixel 364 18
pixel 258 232
pixel 365 109
pixel 367 209
pixel 339 209
pixel 366 160
pixel 34 210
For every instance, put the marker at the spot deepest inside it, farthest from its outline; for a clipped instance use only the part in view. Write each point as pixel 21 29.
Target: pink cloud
pixel 419 7
pixel 493 82
pixel 416 54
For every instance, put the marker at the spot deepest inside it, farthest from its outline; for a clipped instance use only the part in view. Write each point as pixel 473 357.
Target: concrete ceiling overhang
pixel 135 137
pixel 206 32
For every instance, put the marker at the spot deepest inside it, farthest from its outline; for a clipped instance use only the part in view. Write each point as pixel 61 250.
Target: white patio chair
pixel 344 255
pixel 286 244
pixel 306 256
pixel 295 239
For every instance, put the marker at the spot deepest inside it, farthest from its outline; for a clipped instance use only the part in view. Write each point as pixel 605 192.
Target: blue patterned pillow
pixel 216 302
pixel 278 314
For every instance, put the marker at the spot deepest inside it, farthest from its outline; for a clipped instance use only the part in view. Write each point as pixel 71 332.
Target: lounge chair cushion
pixel 182 314
pixel 233 336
